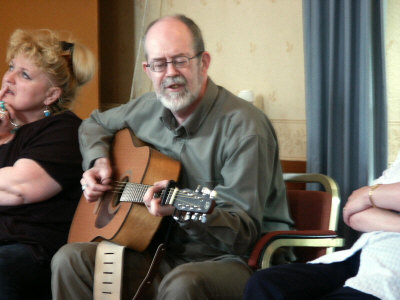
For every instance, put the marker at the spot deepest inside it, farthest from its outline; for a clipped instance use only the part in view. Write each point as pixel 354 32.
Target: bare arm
pixel 387 196
pixel 359 213
pixel 26 182
pixel 375 219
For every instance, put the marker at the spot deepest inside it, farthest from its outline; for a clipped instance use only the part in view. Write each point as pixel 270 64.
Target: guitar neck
pixel 134 192
pixel 185 200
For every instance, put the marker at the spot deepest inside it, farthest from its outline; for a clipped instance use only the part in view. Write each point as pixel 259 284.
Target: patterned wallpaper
pixel 254 45
pixel 258 45
pixel 393 76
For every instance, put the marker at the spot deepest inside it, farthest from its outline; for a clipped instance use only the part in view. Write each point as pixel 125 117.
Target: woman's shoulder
pixel 68 115
pixel 63 119
pixel 61 124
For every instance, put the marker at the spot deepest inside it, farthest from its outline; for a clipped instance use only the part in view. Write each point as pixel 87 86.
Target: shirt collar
pixel 196 119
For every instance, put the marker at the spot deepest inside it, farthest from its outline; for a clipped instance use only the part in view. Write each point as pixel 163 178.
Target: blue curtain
pixel 345 93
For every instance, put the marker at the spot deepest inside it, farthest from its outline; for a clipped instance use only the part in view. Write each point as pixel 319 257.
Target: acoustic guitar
pixel 120 215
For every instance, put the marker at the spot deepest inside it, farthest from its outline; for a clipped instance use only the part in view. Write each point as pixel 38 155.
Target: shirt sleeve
pixel 96 133
pixel 251 199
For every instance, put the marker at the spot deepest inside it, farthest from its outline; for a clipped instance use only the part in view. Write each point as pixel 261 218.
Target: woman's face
pixel 28 87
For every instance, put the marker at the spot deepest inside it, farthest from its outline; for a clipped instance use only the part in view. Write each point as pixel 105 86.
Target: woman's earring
pixel 46 111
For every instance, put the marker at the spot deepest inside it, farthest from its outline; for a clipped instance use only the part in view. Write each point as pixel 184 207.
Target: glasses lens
pixel 180 62
pixel 158 66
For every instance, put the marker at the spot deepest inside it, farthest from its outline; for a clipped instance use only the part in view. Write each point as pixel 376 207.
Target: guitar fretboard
pixel 133 192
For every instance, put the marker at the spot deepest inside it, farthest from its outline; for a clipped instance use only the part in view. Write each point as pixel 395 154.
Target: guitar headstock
pixel 191 205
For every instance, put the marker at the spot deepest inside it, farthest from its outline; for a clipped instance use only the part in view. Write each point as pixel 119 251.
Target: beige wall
pixel 258 45
pixel 254 44
pixel 393 75
pixel 72 16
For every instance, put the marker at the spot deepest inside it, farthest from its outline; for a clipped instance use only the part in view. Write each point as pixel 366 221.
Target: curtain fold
pixel 345 93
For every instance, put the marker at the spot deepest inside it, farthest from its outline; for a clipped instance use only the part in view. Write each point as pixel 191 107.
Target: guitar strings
pixel 129 194
pixel 119 188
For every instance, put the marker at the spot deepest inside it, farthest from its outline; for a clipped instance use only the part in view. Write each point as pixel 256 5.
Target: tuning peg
pixel 195 217
pixel 203 218
pixel 187 217
pixel 213 194
pixel 177 215
pixel 205 191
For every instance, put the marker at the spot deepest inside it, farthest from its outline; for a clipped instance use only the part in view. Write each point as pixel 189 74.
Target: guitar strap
pixel 158 256
pixel 109 264
pixel 151 272
pixel 109 271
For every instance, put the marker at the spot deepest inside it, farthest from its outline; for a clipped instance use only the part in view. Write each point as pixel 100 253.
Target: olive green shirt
pixel 228 145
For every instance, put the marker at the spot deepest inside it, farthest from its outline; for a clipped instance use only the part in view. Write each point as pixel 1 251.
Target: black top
pixel 52 142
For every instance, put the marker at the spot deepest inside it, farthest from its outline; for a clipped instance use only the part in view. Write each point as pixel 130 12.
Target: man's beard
pixel 176 101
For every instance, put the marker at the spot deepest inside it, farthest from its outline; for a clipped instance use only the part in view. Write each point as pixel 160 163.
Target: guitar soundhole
pixel 110 203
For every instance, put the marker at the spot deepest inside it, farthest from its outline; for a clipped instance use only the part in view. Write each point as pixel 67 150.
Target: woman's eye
pixel 25 75
pixel 10 67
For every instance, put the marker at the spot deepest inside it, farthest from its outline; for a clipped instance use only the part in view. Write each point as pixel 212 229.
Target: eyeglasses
pixel 178 62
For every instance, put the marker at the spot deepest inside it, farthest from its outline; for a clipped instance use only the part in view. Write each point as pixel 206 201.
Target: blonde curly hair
pixel 68 65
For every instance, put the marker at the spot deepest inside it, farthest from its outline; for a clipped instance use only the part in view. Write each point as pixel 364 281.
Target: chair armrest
pixel 329 185
pixel 266 246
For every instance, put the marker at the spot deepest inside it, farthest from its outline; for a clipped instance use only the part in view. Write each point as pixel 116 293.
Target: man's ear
pixel 146 69
pixel 205 60
pixel 52 95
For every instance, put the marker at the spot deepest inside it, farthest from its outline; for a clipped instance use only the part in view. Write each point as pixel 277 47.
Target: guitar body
pixel 125 223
